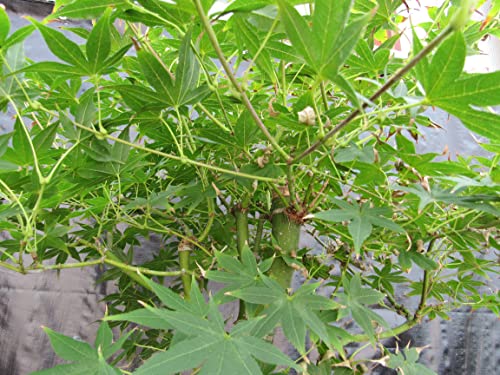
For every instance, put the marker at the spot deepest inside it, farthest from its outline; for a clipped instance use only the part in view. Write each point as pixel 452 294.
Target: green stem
pixel 107 260
pixel 143 270
pixel 212 117
pixel 283 85
pixel 258 235
pixel 13 197
pixel 185 248
pixel 390 82
pixel 425 287
pixel 246 101
pixel 211 218
pixel 241 215
pixel 286 232
pixel 10 267
pixel 384 335
pixel 291 188
pixel 324 96
pixel 179 148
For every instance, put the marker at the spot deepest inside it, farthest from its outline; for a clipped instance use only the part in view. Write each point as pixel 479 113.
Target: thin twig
pixel 425 287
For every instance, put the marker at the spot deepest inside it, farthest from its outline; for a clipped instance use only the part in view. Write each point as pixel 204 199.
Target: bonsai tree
pixel 230 131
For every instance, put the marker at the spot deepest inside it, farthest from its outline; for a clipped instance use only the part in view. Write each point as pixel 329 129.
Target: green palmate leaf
pixel 204 342
pixel 85 9
pixel 220 355
pixel 298 31
pixel 295 313
pixel 157 76
pixel 87 360
pixel 99 43
pixel 364 58
pixel 329 20
pixel 62 47
pixel 361 218
pixel 70 349
pixel 457 96
pixel 4 26
pixel 187 323
pixel 188 70
pixel 197 302
pixel 242 364
pixel 447 64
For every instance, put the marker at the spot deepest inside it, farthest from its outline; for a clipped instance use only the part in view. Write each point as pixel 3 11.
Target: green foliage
pixel 406 363
pixel 229 135
pixel 357 299
pixel 459 95
pixel 86 359
pixel 203 338
pixel 361 220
